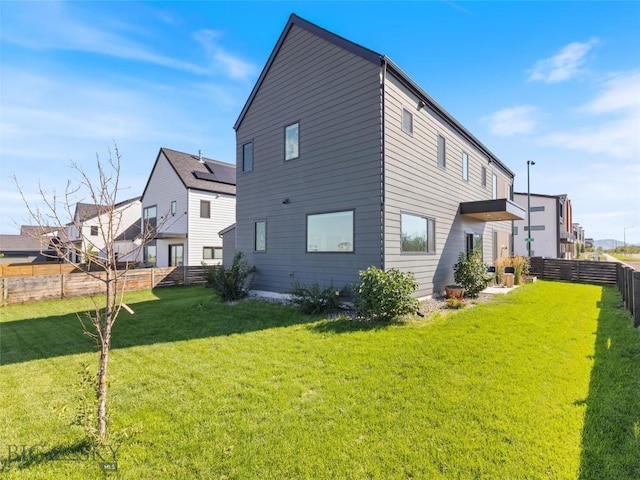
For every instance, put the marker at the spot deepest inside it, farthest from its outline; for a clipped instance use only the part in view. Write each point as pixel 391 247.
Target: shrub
pixel 471 272
pixel 231 283
pixel 314 299
pixel 385 295
pixel 454 303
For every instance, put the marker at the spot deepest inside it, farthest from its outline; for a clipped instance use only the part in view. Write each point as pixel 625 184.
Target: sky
pixel 557 83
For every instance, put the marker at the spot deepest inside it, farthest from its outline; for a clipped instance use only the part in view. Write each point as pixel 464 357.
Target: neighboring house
pixel 578 234
pixel 551 227
pixel 343 162
pixel 32 245
pixel 188 199
pixel 84 233
pixel 589 242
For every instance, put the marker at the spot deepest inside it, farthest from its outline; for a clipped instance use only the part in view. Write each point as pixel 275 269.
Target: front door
pixel 176 255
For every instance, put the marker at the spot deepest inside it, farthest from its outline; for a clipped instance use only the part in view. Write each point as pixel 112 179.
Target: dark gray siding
pixel 335 97
pixel 415 184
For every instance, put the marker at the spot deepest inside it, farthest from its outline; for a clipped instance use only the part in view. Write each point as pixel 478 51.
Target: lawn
pixel 542 383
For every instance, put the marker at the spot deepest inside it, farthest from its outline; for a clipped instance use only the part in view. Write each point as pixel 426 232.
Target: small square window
pixel 291 142
pixel 442 152
pixel 247 157
pixel 417 234
pixel 205 209
pixel 407 121
pixel 94 230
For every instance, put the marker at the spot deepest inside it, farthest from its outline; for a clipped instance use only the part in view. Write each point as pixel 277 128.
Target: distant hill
pixel 609 243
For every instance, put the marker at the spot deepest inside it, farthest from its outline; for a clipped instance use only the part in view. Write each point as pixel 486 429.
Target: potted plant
pixel 454 291
pixel 471 272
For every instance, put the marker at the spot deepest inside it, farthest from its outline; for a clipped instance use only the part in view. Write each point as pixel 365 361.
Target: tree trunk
pixel 105 346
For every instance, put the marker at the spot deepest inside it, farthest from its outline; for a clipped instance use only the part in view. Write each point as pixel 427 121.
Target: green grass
pixel 543 383
pixel 623 257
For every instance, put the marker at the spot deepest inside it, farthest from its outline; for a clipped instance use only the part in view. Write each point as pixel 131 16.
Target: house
pixel 32 245
pixel 344 162
pixel 551 227
pixel 578 233
pixel 87 232
pixel 187 200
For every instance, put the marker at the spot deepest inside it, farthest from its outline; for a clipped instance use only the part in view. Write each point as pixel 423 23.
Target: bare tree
pixel 69 243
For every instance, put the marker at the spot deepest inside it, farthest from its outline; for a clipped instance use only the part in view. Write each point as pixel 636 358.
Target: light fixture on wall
pixel 286 201
pixel 421 104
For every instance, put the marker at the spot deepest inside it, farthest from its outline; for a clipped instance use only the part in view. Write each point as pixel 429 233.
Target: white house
pixel 188 199
pixel 87 231
pixel 551 227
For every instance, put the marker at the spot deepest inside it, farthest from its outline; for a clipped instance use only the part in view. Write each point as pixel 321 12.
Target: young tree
pixel 102 192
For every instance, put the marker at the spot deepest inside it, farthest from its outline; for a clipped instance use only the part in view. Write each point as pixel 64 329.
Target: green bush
pixel 454 303
pixel 231 283
pixel 471 272
pixel 314 299
pixel 386 295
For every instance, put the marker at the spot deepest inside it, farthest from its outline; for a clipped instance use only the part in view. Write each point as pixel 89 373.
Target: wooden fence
pixel 626 278
pixel 21 289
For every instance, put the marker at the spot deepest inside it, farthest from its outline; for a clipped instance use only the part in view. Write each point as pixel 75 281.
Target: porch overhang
pixel 493 210
pixel 163 235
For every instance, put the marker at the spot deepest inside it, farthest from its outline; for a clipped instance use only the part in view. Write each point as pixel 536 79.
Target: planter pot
pixel 455 291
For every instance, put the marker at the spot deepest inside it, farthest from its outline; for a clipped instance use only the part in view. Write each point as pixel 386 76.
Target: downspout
pixel 383 75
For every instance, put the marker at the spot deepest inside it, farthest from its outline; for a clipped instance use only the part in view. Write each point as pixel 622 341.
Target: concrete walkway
pixel 499 289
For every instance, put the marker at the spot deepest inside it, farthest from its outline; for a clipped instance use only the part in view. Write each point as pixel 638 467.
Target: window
pixel 473 240
pixel 149 254
pixel 291 142
pixel 417 234
pixel 205 209
pixel 534 228
pixel 260 243
pixel 465 166
pixel 494 186
pixel 174 207
pixel 149 217
pixel 247 157
pixel 176 255
pixel 537 209
pixel 330 232
pixel 94 230
pixel 407 121
pixel 483 177
pixel 442 152
pixel 211 253
pixel 515 230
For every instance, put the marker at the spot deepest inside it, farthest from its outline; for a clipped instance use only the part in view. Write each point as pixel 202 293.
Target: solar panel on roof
pixel 222 175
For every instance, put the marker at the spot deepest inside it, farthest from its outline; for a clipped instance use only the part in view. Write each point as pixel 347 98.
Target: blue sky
pixel 557 83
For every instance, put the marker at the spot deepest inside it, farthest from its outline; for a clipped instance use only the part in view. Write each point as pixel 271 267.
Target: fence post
pixel 636 299
pixel 629 302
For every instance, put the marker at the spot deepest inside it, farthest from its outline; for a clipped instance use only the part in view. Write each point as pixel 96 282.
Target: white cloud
pixel 563 66
pixel 617 134
pixel 220 59
pixel 512 121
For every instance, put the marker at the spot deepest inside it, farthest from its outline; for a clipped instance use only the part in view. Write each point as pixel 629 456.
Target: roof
pixel 224 231
pixel 87 211
pixel 131 232
pixel 561 196
pixel 37 230
pixel 22 243
pixel 378 59
pixel 208 176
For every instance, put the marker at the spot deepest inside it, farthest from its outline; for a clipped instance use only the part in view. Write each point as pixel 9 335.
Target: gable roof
pixel 87 211
pixel 22 243
pixel 385 63
pixel 208 176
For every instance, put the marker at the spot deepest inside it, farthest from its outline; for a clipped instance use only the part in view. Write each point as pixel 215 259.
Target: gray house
pixel 344 162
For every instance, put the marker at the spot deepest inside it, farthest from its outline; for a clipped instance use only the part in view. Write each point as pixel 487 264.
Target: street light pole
pixel 624 237
pixel 529 238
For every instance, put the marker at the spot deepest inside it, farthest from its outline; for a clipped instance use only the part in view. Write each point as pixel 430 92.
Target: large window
pixel 407 121
pixel 291 142
pixel 211 253
pixel 149 254
pixel 205 209
pixel 330 232
pixel 260 244
pixel 247 157
pixel 417 234
pixel 442 152
pixel 176 255
pixel 465 166
pixel 149 215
